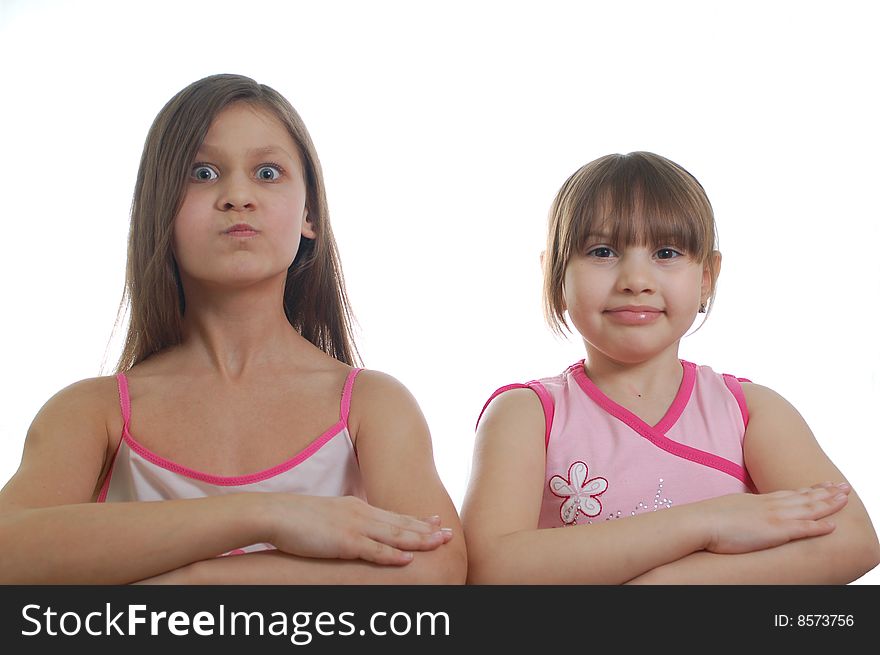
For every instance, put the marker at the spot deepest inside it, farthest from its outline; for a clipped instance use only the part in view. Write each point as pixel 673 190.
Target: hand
pixel 742 523
pixel 348 528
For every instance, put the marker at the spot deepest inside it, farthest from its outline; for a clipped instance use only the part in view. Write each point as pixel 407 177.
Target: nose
pixel 236 194
pixel 635 274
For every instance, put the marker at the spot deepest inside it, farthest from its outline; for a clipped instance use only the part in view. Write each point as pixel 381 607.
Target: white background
pixel 444 130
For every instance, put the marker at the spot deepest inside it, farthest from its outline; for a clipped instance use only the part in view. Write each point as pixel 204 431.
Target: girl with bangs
pixel 238 422
pixel 659 470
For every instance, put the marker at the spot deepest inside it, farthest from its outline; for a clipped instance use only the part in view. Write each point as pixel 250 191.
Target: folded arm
pixel 502 507
pixel 52 531
pixel 781 453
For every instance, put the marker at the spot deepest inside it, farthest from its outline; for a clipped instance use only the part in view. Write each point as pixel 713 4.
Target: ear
pixel 308 228
pixel 712 267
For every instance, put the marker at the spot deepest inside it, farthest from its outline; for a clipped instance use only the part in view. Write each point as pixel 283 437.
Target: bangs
pixel 633 200
pixel 638 199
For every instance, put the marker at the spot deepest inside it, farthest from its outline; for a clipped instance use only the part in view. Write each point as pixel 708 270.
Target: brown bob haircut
pixel 315 301
pixel 635 199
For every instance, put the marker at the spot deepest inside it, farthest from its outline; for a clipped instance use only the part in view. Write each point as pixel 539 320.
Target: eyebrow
pixel 207 148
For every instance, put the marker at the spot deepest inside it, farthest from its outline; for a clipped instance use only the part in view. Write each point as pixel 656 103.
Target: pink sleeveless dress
pixel 604 463
pixel 326 467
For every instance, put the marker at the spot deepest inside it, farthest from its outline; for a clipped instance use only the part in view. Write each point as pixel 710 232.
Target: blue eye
pixel 269 172
pixel 203 173
pixel 667 253
pixel 603 252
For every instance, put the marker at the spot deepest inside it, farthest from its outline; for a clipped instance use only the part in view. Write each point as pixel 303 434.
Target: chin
pixel 631 354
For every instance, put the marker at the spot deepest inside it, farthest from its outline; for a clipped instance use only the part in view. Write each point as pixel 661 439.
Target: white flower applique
pixel 580 493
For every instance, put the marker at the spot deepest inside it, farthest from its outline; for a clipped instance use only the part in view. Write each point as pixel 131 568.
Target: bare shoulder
pixel 93 402
pixel 514 407
pixel 381 400
pixel 394 448
pixel 779 448
pixel 760 398
pixel 377 386
pixel 772 417
pixel 507 469
pixel 68 444
pixel 510 433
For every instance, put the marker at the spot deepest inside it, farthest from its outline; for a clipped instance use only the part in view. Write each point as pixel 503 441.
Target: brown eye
pixel 667 253
pixel 601 252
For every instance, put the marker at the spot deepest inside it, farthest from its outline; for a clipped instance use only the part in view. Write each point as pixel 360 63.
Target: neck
pixel 233 330
pixel 651 378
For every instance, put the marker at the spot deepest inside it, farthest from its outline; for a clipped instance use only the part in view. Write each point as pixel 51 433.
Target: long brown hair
pixel 315 301
pixel 637 198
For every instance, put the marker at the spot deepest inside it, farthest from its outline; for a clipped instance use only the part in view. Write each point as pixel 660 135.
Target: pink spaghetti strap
pixel 125 406
pixel 733 383
pixel 346 395
pixel 124 399
pixel 543 395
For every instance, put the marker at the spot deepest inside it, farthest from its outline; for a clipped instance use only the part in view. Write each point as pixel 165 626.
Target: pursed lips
pixel 241 230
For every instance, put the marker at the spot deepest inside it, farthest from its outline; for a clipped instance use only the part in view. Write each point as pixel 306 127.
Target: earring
pixel 702 308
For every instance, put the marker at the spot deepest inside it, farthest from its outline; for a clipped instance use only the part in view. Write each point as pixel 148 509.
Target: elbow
pixel 445 566
pixel 863 549
pixel 450 570
pixel 503 560
pixel 854 553
pixel 869 556
pixel 455 570
pixel 489 575
pixel 480 576
pixel 484 569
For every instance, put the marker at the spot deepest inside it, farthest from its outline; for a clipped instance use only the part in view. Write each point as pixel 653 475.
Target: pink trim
pixel 223 480
pixel 230 481
pixel 651 433
pixel 735 387
pixel 685 390
pixel 346 395
pixel 543 395
pixel 547 404
pixel 125 408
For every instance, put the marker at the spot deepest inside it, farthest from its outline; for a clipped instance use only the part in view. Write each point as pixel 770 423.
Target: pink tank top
pixel 603 462
pixel 326 467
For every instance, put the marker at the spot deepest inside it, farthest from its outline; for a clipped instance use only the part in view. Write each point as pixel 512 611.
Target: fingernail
pixel 843 485
pixel 840 497
pixel 433 519
pixel 446 530
pixel 407 555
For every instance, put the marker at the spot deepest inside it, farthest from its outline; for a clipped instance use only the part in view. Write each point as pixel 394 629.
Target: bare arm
pixel 51 531
pixel 501 510
pixel 396 461
pixel 781 453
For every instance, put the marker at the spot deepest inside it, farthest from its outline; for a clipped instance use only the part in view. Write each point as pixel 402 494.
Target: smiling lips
pixel 633 314
pixel 241 230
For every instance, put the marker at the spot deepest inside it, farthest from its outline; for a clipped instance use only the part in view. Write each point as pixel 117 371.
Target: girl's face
pixel 634 304
pixel 244 209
